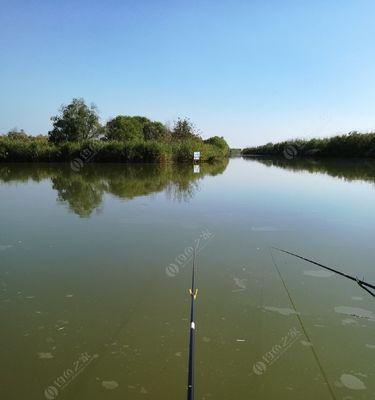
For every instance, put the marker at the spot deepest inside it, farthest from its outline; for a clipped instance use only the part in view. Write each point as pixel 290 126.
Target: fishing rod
pixel 193 295
pixel 361 283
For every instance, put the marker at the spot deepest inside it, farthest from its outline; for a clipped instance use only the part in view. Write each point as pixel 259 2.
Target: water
pixel 95 271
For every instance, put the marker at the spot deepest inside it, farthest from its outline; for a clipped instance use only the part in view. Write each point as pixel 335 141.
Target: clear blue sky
pixel 252 71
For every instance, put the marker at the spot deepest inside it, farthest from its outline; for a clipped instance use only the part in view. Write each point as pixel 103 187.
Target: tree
pixel 155 131
pixel 218 141
pixel 76 123
pixel 124 127
pixel 184 129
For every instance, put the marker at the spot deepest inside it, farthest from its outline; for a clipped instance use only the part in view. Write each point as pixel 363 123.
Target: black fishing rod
pixel 361 283
pixel 193 295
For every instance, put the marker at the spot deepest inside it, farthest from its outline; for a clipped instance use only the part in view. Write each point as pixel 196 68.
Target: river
pixel 95 268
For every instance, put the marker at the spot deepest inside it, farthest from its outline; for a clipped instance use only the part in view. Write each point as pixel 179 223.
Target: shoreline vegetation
pixel 77 136
pixel 351 145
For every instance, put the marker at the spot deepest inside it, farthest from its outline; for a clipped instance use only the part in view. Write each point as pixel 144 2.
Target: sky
pixel 251 71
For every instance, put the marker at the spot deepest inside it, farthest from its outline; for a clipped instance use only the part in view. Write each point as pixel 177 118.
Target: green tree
pixel 218 141
pixel 76 123
pixel 155 131
pixel 184 129
pixel 125 128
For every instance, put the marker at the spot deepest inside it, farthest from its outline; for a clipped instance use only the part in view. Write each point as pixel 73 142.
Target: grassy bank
pixel 41 150
pixel 352 145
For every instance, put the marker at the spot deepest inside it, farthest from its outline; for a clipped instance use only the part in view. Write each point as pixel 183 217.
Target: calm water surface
pixel 94 273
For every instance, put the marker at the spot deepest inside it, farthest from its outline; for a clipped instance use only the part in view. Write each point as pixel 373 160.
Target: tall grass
pixel 354 144
pixel 41 150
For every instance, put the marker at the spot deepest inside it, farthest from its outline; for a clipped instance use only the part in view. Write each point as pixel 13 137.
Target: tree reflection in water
pixel 83 191
pixel 347 169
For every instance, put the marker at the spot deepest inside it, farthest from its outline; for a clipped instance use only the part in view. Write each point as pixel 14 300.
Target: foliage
pixel 76 123
pixel 16 134
pixel 218 141
pixel 154 130
pixel 184 129
pixel 76 131
pixel 125 128
pixel 37 149
pixel 353 144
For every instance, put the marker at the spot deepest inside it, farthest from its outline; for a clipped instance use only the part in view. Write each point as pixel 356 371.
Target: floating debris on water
pixel 68 296
pixel 349 321
pixel 110 385
pixel 352 382
pixel 306 343
pixel 240 283
pixel 45 356
pixel 318 273
pixel 370 346
pixel 240 340
pixel 283 311
pixel 206 339
pixel 356 312
pixel 357 298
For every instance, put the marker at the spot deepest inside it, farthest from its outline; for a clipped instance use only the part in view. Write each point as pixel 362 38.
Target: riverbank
pixel 41 150
pixel 351 145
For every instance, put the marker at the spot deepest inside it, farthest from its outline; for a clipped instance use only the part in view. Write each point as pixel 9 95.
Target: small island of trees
pixel 77 133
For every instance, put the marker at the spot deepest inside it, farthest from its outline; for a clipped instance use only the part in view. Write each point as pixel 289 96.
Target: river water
pixel 95 267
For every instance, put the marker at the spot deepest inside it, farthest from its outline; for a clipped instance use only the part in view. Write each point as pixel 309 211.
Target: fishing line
pixel 303 329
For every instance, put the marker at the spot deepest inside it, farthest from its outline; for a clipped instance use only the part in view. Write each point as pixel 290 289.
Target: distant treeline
pixel 78 135
pixel 353 144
